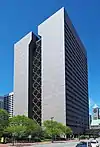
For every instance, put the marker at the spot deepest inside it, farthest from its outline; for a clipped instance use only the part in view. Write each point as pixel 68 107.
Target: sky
pixel 19 17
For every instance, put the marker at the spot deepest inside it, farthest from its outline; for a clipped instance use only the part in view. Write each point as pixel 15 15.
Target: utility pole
pixel 52 128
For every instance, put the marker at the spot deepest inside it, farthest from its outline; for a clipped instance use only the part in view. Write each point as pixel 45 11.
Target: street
pixel 68 144
pixel 47 144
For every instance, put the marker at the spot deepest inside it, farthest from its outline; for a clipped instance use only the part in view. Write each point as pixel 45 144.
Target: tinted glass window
pixel 82 144
pixel 93 142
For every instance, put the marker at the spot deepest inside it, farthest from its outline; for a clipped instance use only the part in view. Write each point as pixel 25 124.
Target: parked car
pixel 84 144
pixel 94 143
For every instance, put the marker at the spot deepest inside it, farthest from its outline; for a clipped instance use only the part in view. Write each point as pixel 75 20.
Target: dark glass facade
pixel 35 81
pixel 76 75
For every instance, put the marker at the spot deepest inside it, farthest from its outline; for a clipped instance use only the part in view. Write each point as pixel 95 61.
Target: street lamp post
pixel 52 128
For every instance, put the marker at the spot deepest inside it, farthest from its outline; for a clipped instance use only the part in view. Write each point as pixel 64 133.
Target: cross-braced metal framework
pixel 37 83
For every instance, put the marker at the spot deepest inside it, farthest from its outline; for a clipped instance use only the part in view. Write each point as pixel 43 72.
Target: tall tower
pixel 51 76
pixel 64 73
pixel 27 77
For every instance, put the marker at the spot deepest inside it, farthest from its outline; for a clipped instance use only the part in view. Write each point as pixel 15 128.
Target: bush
pixel 82 137
pixel 37 139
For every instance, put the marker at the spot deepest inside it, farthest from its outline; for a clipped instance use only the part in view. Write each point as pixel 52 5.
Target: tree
pixel 16 131
pixel 3 120
pixel 20 126
pixel 54 128
pixel 67 131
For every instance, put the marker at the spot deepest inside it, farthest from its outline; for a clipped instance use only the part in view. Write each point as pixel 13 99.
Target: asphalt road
pixel 68 144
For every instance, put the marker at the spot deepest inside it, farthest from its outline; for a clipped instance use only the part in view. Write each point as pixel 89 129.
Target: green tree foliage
pixel 51 128
pixel 56 129
pixel 3 120
pixel 67 130
pixel 16 131
pixel 22 126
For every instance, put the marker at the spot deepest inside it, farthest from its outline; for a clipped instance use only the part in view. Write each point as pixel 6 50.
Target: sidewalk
pixel 40 143
pixel 26 144
pixel 4 145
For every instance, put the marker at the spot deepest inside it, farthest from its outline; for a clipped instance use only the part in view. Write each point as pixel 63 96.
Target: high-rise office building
pixel 51 76
pixel 8 103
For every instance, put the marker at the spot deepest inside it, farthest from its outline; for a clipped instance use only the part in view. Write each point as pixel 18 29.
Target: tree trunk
pixel 13 141
pixel 52 139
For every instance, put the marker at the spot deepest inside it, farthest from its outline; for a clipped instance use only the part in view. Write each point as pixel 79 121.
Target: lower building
pixel 8 103
pixel 90 120
pixel 1 102
pixel 95 123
